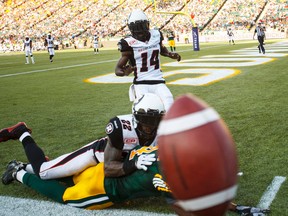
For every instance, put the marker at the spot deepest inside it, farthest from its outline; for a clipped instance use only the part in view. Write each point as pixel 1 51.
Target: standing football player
pixel 49 43
pixel 230 36
pixel 28 50
pixel 140 53
pixel 96 44
pixel 260 36
pixel 124 132
pixel 171 41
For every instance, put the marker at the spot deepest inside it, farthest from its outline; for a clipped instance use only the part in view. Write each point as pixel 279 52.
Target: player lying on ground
pixel 123 134
pixel 92 190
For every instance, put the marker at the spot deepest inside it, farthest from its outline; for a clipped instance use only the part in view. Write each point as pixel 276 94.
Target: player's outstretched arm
pixel 166 53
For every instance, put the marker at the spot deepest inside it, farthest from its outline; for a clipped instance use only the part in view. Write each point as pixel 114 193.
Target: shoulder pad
pixel 114 132
pixel 123 46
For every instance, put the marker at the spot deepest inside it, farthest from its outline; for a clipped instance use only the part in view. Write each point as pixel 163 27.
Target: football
pixel 198 158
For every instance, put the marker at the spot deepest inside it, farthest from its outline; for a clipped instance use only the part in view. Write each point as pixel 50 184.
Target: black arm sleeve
pixel 115 133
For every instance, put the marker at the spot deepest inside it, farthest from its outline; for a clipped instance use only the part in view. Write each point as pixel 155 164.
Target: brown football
pixel 198 157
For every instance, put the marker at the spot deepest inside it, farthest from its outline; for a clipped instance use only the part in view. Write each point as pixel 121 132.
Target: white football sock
pixel 20 174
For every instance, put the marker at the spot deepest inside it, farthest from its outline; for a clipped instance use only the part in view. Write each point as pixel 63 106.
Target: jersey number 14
pixel 154 61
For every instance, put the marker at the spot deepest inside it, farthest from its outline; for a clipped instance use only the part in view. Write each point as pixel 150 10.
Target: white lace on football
pixel 187 122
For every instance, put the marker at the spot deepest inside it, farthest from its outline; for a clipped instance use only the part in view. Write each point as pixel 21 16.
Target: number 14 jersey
pixel 145 56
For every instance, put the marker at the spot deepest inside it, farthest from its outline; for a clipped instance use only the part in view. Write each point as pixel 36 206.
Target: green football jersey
pixel 137 184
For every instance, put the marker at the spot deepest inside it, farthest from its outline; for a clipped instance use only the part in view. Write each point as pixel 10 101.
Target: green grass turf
pixel 65 112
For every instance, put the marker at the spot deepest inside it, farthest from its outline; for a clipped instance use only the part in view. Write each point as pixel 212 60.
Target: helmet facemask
pixel 140 30
pixel 148 122
pixel 148 111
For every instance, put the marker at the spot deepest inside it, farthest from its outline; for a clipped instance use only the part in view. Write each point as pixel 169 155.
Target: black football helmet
pixel 148 111
pixel 138 25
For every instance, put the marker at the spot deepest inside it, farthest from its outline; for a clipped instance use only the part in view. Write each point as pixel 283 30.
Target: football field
pixel 68 103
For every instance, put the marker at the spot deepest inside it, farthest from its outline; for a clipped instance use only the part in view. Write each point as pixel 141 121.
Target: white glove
pixel 144 161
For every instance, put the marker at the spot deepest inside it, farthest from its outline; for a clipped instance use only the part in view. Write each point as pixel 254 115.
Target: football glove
pixel 251 211
pixel 160 184
pixel 175 56
pixel 144 161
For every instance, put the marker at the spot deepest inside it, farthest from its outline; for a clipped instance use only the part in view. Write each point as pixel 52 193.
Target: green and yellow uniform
pixel 171 41
pixel 92 190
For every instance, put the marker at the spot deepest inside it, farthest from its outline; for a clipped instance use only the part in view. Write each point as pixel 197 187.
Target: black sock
pixel 34 153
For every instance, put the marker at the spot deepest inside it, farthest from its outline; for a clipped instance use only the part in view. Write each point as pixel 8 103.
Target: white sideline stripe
pixel 209 200
pixel 80 65
pixel 187 122
pixel 97 200
pixel 11 206
pixel 271 192
pixel 57 68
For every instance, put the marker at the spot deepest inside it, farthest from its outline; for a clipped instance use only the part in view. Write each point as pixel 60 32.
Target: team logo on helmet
pixel 109 128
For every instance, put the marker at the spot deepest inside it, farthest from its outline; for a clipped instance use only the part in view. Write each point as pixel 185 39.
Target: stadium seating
pixel 79 19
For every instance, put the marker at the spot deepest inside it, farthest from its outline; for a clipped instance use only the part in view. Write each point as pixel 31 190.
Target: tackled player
pixel 124 132
pixel 91 189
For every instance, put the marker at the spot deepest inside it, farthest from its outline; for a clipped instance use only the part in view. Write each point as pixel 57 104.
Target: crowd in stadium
pixel 73 22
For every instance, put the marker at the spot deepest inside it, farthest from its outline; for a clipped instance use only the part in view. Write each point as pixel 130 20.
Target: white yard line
pixel 80 65
pixel 11 206
pixel 271 192
pixel 57 68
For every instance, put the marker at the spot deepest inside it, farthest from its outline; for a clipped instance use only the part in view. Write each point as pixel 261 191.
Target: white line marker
pixel 271 192
pixel 79 65
pixel 57 68
pixel 11 206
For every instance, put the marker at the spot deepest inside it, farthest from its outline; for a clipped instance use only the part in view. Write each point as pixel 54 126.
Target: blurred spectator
pixel 79 18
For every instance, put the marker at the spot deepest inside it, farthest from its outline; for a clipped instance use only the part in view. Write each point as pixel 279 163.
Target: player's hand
pixel 128 69
pixel 144 161
pixel 160 184
pixel 175 56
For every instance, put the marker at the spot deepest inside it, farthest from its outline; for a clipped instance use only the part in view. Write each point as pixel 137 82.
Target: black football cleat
pixel 10 174
pixel 14 132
